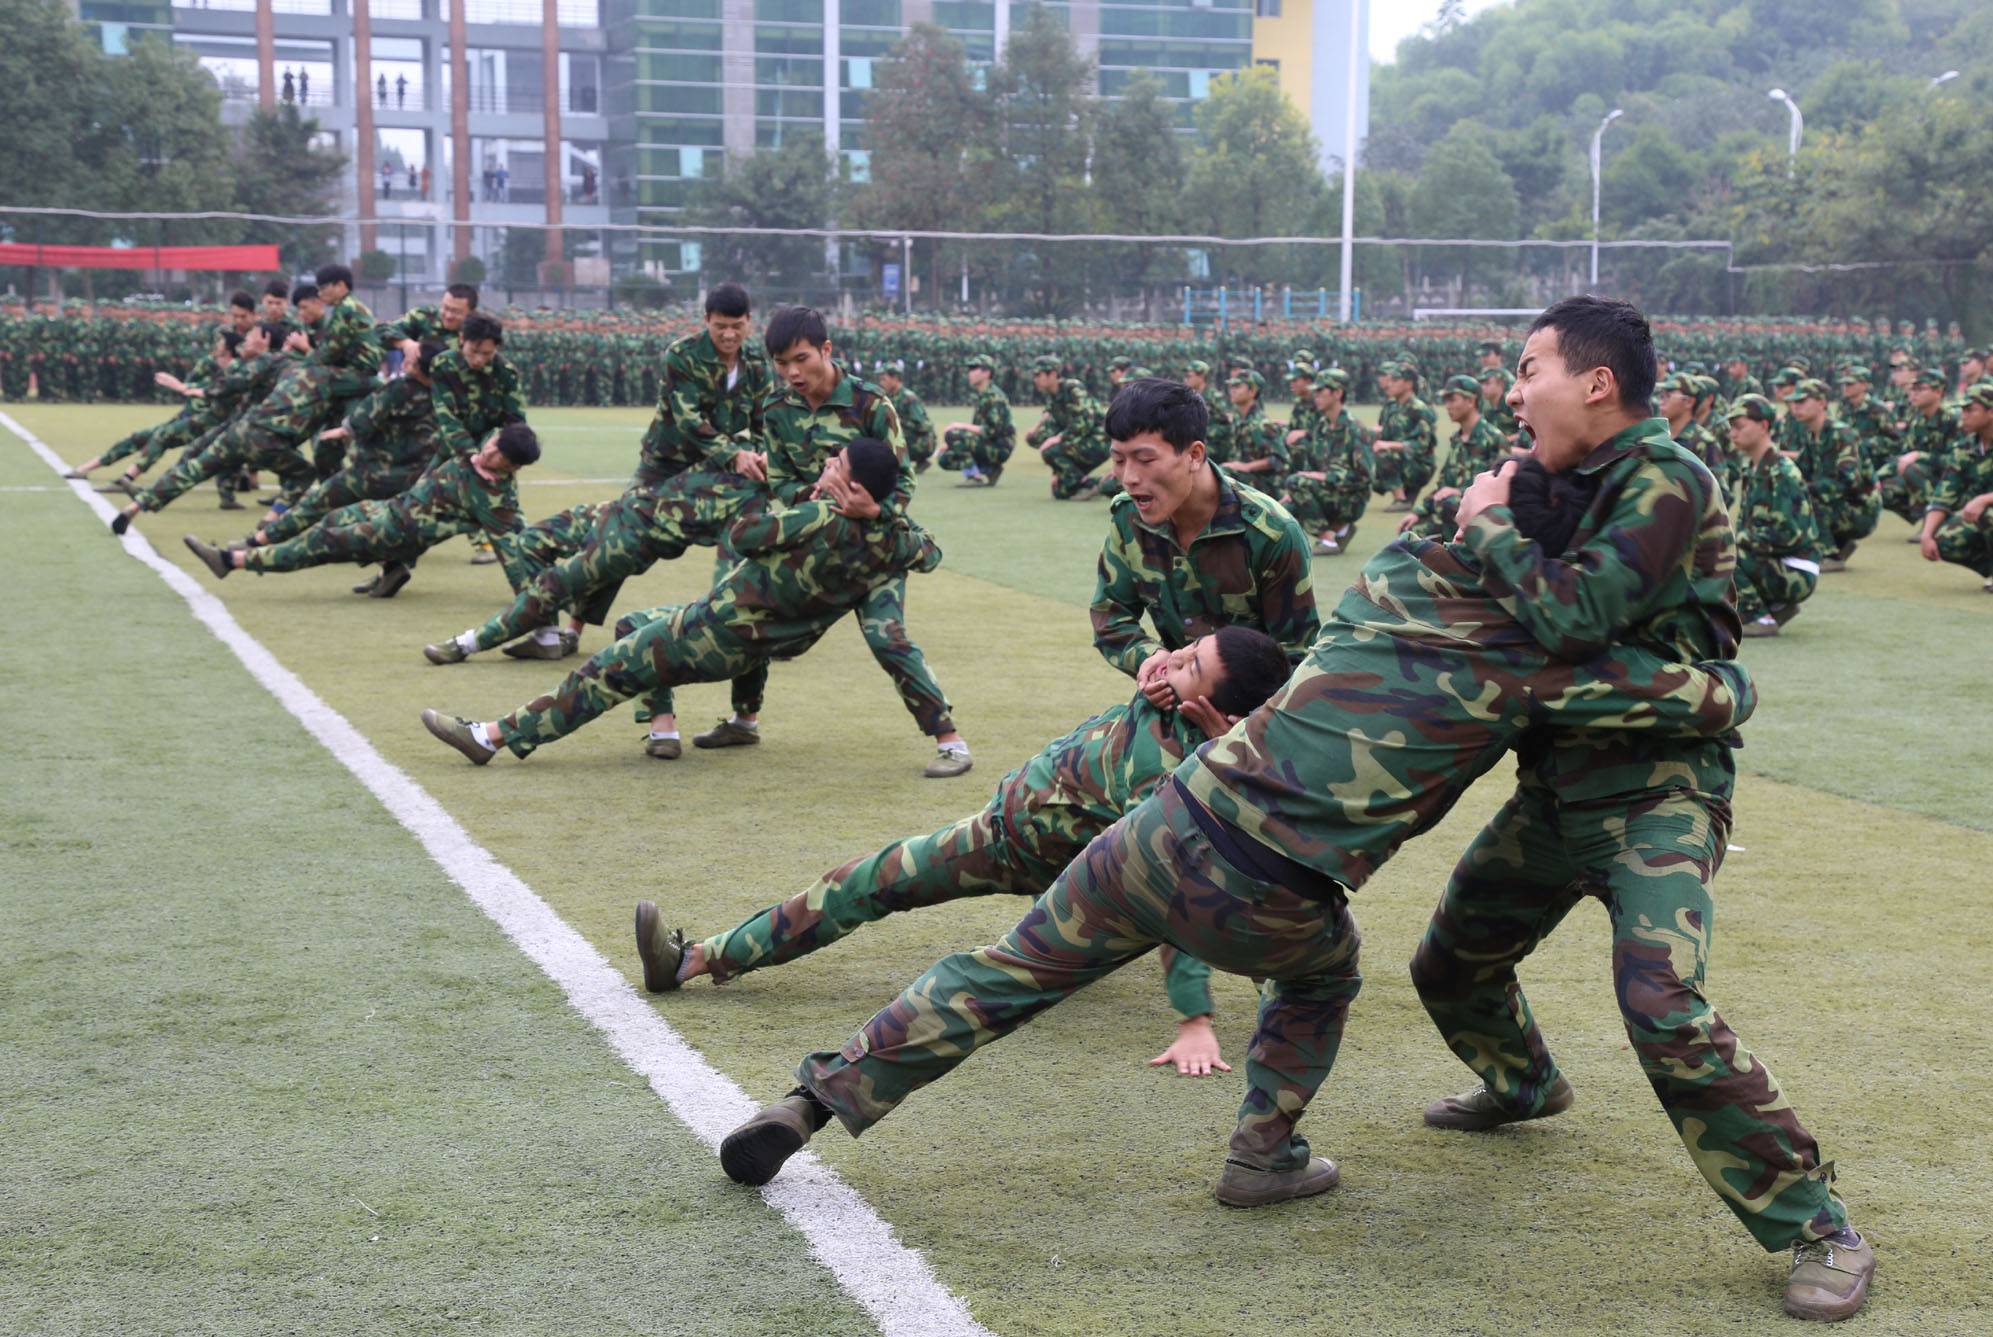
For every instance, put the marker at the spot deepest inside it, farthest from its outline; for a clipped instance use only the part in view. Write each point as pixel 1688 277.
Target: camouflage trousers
pixel 1151 878
pixel 1906 492
pixel 393 530
pixel 962 448
pixel 135 443
pixel 371 479
pixel 1410 469
pixel 1649 860
pixel 240 446
pixel 986 854
pixel 1766 583
pixel 662 648
pixel 1968 542
pixel 921 448
pixel 1851 520
pixel 590 551
pixel 1322 507
pixel 188 429
pixel 1435 519
pixel 1071 462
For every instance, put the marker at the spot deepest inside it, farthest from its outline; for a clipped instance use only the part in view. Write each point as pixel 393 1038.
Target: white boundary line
pixel 891 1281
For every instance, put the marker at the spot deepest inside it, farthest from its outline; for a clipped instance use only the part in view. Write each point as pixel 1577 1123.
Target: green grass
pixel 1056 1183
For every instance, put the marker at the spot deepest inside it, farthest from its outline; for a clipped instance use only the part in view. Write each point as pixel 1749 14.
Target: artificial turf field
pixel 268 1069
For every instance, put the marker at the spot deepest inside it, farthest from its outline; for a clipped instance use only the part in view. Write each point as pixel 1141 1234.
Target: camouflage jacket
pixel 1419 684
pixel 396 424
pixel 1502 416
pixel 346 338
pixel 1874 424
pixel 1256 437
pixel 800 440
pixel 1250 566
pixel 1218 435
pixel 1412 422
pixel 1714 451
pixel 1651 564
pixel 802 569
pixel 992 414
pixel 1470 454
pixel 472 403
pixel 1968 473
pixel 1833 465
pixel 1775 516
pixel 916 428
pixel 1338 450
pixel 701 421
pixel 1932 434
pixel 244 385
pixel 455 490
pixel 1101 769
pixel 421 324
pixel 1070 413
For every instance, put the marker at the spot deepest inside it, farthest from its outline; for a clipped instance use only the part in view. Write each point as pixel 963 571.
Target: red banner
pixel 231 259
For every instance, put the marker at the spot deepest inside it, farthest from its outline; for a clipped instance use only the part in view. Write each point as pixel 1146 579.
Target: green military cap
pixel 1200 366
pixel 1706 387
pixel 1981 393
pixel 1901 359
pixel 1853 372
pixel 1047 362
pixel 1138 372
pixel 1461 385
pixel 897 366
pixel 1755 407
pixel 1680 380
pixel 1502 374
pixel 1120 363
pixel 1974 355
pixel 1811 388
pixel 1695 369
pixel 983 360
pixel 1788 376
pixel 1929 376
pixel 1247 376
pixel 1737 357
pixel 1801 365
pixel 1390 369
pixel 1333 378
pixel 1489 346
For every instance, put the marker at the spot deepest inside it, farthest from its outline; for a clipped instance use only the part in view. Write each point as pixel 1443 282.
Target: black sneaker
pixel 755 1151
pixel 393 576
pixel 661 950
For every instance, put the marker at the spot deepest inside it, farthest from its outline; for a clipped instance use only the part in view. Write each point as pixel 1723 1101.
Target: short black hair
pixel 728 299
pixel 231 340
pixel 519 443
pixel 1549 506
pixel 478 327
pixel 873 466
pixel 243 298
pixel 303 290
pixel 274 332
pixel 792 325
pixel 1255 668
pixel 467 291
pixel 427 353
pixel 277 288
pixel 1170 409
pixel 334 274
pixel 1594 331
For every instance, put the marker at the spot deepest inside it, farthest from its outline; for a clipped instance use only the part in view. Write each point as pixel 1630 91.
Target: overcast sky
pixel 1391 21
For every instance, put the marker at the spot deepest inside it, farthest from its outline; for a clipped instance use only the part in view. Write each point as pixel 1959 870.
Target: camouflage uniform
pixel 452 498
pixel 344 362
pixel 1075 417
pixel 1411 422
pixel 1779 544
pixel 1908 492
pixel 702 422
pixel 803 569
pixel 1468 454
pixel 915 426
pixel 393 440
pixel 203 375
pixel 1040 819
pixel 1252 436
pixel 470 403
pixel 1244 857
pixel 1336 450
pixel 266 437
pixel 988 449
pixel 1634 819
pixel 422 324
pixel 1839 483
pixel 1967 473
pixel 1249 566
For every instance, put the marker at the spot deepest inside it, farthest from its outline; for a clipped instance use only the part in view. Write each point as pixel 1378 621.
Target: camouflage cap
pixel 1489 346
pixel 1737 356
pixel 1853 372
pixel 1247 376
pixel 1302 357
pixel 1331 378
pixel 1981 394
pixel 1138 372
pixel 1812 388
pixel 897 366
pixel 1707 387
pixel 1391 368
pixel 1755 407
pixel 1200 366
pixel 1695 369
pixel 983 360
pixel 1680 380
pixel 1788 376
pixel 1502 374
pixel 1461 385
pixel 1047 362
pixel 1120 363
pixel 1300 371
pixel 1929 376
pixel 1901 359
pixel 1973 355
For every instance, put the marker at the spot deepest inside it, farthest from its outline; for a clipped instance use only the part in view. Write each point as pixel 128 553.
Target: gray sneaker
pixel 727 734
pixel 456 731
pixel 1830 1277
pixel 664 749
pixel 753 1152
pixel 214 558
pixel 948 764
pixel 660 949
pixel 1478 1109
pixel 1246 1185
pixel 445 652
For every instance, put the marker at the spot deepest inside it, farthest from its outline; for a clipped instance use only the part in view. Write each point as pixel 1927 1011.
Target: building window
pixel 1273 65
pixel 691 162
pixel 1200 83
pixel 860 161
pixel 858 73
pixel 1266 9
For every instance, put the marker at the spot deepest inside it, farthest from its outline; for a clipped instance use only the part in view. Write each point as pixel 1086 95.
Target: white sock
pixel 745 724
pixel 467 642
pixel 546 635
pixel 482 732
pixel 958 746
pixel 1768 621
pixel 665 733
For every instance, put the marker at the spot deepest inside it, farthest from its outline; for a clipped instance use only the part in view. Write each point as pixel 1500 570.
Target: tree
pixel 1045 115
pixel 1139 171
pixel 1462 191
pixel 49 75
pixel 785 187
pixel 1256 170
pixel 282 169
pixel 168 152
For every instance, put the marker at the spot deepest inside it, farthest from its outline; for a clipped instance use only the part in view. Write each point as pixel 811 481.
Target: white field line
pixel 891 1281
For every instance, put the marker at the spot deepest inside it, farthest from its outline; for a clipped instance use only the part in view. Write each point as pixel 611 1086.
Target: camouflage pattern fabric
pixel 394 440
pixel 1076 419
pixel 470 403
pixel 915 426
pixel 1249 566
pixel 1468 455
pixel 701 422
pixel 990 447
pixel 1253 436
pixel 1776 521
pixel 1967 473
pixel 1840 484
pixel 803 569
pixel 451 498
pixel 1412 422
pixel 421 323
pixel 1907 492
pixel 1040 818
pixel 1338 451
pixel 267 437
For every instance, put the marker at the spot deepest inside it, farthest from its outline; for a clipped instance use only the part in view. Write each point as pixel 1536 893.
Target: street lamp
pixel 1598 137
pixel 1944 78
pixel 1798 126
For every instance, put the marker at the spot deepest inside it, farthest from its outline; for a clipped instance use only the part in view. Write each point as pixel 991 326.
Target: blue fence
pixel 1226 306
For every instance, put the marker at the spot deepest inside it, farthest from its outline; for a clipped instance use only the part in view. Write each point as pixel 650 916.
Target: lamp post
pixel 1944 78
pixel 1798 126
pixel 1348 267
pixel 1598 138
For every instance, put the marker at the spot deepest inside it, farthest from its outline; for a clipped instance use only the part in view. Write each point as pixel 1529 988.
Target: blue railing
pixel 1224 306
